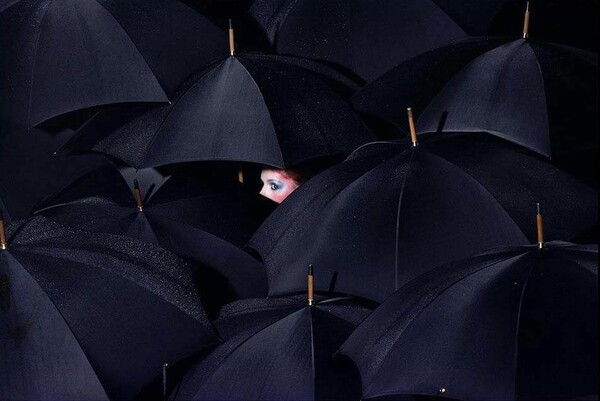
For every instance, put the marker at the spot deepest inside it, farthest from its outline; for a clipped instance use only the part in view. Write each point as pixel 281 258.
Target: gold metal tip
pixel 231 39
pixel 526 22
pixel 411 126
pixel 241 176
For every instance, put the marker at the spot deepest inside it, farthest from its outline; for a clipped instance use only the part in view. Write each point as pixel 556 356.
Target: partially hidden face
pixel 277 185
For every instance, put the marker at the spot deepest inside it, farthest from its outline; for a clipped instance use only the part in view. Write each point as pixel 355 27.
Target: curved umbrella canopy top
pixel 391 212
pixel 277 349
pixel 516 323
pixel 102 200
pixel 66 55
pixel 539 95
pixel 91 316
pixel 202 224
pixel 251 108
pixel 366 37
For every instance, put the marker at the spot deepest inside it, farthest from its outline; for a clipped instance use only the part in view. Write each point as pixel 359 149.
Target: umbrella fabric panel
pixel 461 370
pixel 287 341
pixel 174 39
pixel 120 336
pixel 250 93
pixel 236 104
pixel 156 290
pixel 310 123
pixel 41 359
pixel 364 38
pixel 287 336
pixel 408 198
pixel 415 82
pixel 481 97
pixel 55 61
pixel 559 290
pixel 514 323
pixel 570 207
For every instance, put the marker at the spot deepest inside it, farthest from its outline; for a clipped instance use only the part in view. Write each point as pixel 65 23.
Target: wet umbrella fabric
pixel 61 56
pixel 391 212
pixel 365 37
pixel 203 224
pixel 516 323
pixel 91 316
pixel 277 349
pixel 539 95
pixel 262 109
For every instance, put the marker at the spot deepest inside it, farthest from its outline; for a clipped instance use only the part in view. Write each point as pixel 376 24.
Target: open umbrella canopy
pixel 203 224
pixel 366 37
pixel 91 316
pixel 513 323
pixel 393 211
pixel 61 56
pixel 254 108
pixel 278 349
pixel 539 95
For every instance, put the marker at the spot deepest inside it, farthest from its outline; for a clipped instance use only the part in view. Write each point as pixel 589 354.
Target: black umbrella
pixel 367 37
pixel 539 95
pixel 61 56
pixel 512 323
pixel 91 316
pixel 199 222
pixel 278 349
pixel 393 211
pixel 254 108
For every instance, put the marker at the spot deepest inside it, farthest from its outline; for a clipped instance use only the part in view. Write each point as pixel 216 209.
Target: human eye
pixel 275 186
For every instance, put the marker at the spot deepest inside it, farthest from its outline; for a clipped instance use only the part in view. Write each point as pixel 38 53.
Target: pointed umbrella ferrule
pixel 526 22
pixel 241 175
pixel 311 283
pixel 3 242
pixel 138 195
pixel 231 39
pixel 540 227
pixel 411 126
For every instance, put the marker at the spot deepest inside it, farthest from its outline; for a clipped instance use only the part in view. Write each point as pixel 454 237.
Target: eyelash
pixel 274 187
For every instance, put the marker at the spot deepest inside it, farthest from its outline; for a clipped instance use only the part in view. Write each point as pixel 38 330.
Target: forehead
pixel 268 174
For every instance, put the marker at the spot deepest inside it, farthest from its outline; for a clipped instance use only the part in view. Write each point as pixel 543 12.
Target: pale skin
pixel 277 185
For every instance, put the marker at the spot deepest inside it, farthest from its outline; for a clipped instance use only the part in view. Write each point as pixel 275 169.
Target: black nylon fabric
pixel 415 82
pixel 103 197
pixel 129 306
pixel 277 349
pixel 507 323
pixel 86 53
pixel 366 37
pixel 383 217
pixel 204 225
pixel 263 109
pixel 540 95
